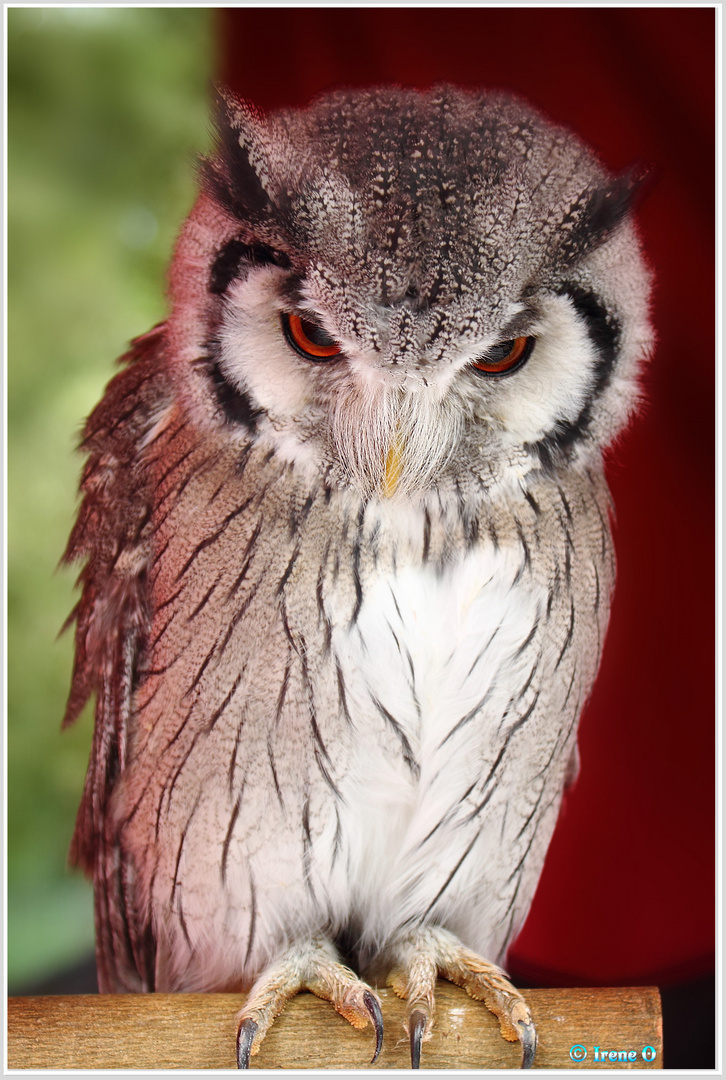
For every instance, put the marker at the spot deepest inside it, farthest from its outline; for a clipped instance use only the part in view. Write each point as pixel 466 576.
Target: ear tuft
pixel 609 205
pixel 238 174
pixel 599 211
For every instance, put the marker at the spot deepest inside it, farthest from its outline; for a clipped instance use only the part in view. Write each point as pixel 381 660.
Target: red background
pixel 627 893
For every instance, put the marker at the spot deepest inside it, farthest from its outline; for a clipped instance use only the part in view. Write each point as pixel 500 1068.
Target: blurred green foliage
pixel 107 111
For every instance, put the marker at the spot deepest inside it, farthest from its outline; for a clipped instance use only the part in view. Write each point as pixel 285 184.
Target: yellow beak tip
pixel 393 470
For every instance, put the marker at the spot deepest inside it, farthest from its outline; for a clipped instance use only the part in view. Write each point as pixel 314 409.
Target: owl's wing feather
pixel 111 535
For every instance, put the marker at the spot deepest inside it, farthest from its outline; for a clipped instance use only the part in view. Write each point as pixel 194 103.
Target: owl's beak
pixel 393 467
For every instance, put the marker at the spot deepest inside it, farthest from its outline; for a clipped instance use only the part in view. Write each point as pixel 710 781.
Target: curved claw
pixel 374 1008
pixel 245 1038
pixel 528 1039
pixel 417 1026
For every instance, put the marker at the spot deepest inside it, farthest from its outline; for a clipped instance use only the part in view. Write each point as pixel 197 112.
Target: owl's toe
pixel 433 952
pixel 311 965
pixel 374 1008
pixel 416 1029
pixel 528 1039
pixel 245 1037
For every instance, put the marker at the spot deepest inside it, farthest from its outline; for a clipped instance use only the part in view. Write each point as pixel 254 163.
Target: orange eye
pixel 309 340
pixel 505 358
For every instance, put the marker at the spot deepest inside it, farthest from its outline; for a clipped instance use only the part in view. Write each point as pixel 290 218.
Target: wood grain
pixel 197 1031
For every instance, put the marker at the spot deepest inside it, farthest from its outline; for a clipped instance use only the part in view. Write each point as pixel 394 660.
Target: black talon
pixel 245 1038
pixel 416 1027
pixel 374 1008
pixel 528 1039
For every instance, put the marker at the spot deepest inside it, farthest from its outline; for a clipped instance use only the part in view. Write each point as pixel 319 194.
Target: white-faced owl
pixel 347 555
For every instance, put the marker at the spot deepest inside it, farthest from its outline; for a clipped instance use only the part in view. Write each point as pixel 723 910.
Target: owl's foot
pixel 311 965
pixel 432 952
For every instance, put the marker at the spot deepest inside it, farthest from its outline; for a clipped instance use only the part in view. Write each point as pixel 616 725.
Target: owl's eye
pixel 505 358
pixel 309 340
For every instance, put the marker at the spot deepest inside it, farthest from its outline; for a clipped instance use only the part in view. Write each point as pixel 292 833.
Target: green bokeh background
pixel 107 111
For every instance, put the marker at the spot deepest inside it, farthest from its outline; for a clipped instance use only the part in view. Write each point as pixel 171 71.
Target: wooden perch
pixel 197 1031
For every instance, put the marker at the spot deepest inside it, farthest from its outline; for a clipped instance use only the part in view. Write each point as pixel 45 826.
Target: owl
pixel 347 562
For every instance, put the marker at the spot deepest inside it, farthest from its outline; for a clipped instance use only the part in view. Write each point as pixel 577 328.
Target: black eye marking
pixel 230 258
pixel 603 328
pixel 236 405
pixel 604 331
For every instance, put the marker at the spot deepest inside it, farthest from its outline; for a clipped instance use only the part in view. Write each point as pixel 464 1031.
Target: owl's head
pixel 406 291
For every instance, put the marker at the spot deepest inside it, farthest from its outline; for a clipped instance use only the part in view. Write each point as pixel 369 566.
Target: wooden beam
pixel 197 1031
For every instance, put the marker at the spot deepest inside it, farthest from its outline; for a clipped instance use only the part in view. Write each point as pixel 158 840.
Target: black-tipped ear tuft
pixel 235 175
pixel 608 205
pixel 599 211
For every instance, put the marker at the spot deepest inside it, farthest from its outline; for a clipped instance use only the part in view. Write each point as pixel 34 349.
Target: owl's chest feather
pixel 427 645
pixel 430 666
pixel 384 694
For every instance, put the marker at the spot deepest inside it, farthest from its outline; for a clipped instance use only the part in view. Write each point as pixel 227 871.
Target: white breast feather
pixel 443 622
